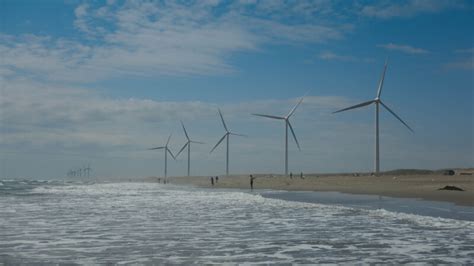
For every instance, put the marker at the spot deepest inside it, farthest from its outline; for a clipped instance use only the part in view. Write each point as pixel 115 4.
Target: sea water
pixel 147 223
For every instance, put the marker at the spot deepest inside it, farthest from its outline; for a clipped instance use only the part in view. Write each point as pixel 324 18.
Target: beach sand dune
pixel 424 186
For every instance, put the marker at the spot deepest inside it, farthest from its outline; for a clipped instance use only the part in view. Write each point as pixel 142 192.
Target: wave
pixel 149 223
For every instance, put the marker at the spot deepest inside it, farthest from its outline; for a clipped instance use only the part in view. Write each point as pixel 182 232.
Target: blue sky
pixel 99 82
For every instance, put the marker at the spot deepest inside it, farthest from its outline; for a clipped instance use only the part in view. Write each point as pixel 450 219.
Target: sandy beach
pixel 423 186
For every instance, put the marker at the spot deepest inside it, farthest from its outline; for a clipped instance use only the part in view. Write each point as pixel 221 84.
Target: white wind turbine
pixel 377 101
pixel 226 135
pixel 166 150
pixel 188 144
pixel 287 124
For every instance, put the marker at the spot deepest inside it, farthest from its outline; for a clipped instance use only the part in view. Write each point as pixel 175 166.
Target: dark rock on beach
pixel 451 188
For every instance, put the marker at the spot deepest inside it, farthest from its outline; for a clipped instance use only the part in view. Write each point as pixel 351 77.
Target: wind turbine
pixel 287 124
pixel 377 101
pixel 166 150
pixel 87 170
pixel 226 135
pixel 188 144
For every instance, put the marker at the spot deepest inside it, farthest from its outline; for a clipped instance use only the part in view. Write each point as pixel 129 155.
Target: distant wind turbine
pixel 377 101
pixel 87 170
pixel 166 150
pixel 226 135
pixel 287 124
pixel 188 144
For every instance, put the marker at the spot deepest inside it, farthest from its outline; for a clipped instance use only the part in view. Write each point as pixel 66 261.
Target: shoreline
pixel 398 186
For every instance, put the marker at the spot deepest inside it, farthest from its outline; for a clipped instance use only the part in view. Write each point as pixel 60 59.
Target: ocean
pixel 46 222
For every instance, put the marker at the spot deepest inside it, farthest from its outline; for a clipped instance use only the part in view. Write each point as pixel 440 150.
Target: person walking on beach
pixel 251 181
pixel 301 175
pixel 217 179
pixel 212 180
pixel 291 175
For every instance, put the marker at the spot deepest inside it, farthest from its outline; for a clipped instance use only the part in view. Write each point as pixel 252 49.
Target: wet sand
pixel 423 186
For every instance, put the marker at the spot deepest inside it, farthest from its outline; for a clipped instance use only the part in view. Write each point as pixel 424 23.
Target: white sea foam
pixel 140 223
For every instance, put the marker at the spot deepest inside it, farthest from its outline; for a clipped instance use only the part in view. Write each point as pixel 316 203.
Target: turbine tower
pixel 166 150
pixel 287 124
pixel 226 135
pixel 188 144
pixel 377 101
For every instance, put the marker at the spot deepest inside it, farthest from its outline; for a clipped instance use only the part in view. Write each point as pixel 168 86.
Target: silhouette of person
pixel 217 179
pixel 212 181
pixel 291 175
pixel 251 181
pixel 301 175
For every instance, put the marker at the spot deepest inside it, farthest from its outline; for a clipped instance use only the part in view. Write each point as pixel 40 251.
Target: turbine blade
pixel 222 119
pixel 294 135
pixel 235 134
pixel 355 106
pixel 185 132
pixel 168 141
pixel 379 91
pixel 294 108
pixel 157 148
pixel 219 142
pixel 396 116
pixel 186 144
pixel 270 116
pixel 169 151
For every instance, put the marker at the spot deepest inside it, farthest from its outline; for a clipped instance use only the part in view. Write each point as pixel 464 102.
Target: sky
pixel 100 82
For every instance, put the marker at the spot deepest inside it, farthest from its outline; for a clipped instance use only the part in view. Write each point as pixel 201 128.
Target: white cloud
pixel 331 56
pixel 393 9
pixel 81 10
pixel 151 38
pixel 41 113
pixel 403 48
pixel 327 55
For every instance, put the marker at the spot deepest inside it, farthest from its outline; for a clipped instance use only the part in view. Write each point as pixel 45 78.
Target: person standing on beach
pixel 217 179
pixel 212 180
pixel 251 181
pixel 291 175
pixel 301 175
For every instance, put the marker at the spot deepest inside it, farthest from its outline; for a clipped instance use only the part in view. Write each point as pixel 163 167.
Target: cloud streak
pixel 330 56
pixel 403 48
pixel 409 8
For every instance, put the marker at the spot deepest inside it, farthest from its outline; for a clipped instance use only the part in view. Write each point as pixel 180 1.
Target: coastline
pixel 399 186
